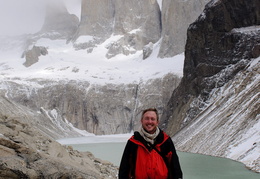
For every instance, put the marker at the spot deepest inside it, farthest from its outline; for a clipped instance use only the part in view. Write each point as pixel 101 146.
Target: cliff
pixel 136 23
pixel 220 73
pixel 58 22
pixel 99 109
pixel 177 15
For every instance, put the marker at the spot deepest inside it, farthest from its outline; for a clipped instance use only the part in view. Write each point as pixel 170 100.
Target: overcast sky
pixel 26 16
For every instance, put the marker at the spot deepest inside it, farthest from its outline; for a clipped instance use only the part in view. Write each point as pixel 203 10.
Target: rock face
pixel 135 24
pixel 58 22
pixel 27 152
pixel 97 18
pixel 217 39
pixel 221 44
pixel 40 119
pixel 177 15
pixel 107 109
pixel 138 22
pixel 229 125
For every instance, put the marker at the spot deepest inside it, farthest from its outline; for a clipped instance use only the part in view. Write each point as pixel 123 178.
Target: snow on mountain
pixel 234 106
pixel 160 3
pixel 64 62
pixel 69 80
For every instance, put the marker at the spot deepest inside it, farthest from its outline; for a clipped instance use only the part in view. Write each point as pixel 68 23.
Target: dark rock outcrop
pixel 32 56
pixel 226 33
pixel 147 50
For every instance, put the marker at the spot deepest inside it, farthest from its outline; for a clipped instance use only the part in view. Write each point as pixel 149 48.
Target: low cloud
pixel 27 16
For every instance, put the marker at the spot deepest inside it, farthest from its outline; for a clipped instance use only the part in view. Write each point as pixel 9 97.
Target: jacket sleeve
pixel 174 167
pixel 127 164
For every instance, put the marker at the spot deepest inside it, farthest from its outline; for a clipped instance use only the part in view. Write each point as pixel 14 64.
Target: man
pixel 150 152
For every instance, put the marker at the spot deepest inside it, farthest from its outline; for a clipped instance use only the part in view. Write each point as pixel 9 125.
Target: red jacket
pixel 142 160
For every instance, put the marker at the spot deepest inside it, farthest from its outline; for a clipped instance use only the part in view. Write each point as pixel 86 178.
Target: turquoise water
pixel 194 166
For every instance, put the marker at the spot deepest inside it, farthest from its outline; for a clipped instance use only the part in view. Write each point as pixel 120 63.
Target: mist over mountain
pixel 94 65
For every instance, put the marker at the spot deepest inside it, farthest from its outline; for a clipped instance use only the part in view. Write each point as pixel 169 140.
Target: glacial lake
pixel 194 166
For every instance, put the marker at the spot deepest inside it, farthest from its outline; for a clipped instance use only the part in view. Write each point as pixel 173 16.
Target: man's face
pixel 149 121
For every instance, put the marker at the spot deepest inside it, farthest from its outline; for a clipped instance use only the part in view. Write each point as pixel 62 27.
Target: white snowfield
pixel 63 62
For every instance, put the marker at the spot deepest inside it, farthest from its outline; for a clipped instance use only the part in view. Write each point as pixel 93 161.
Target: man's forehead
pixel 148 113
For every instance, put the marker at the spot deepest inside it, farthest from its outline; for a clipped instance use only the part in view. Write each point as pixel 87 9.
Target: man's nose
pixel 150 120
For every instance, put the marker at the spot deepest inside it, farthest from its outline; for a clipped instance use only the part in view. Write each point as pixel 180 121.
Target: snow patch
pixel 247 30
pixel 63 62
pixel 247 149
pixel 82 132
pixel 213 3
pixel 84 39
pixel 160 3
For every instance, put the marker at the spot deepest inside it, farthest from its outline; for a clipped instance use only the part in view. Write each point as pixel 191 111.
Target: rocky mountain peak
pixel 217 39
pixel 97 18
pixel 177 15
pixel 220 44
pixel 132 25
pixel 138 22
pixel 58 23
